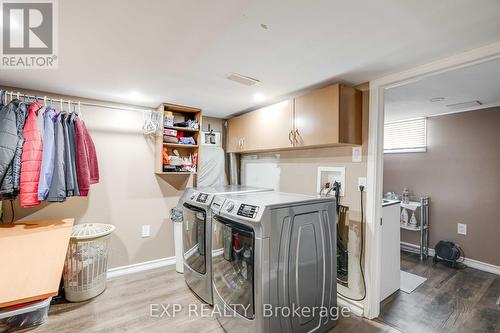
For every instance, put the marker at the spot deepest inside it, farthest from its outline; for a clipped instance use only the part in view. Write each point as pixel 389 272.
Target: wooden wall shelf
pixel 179 111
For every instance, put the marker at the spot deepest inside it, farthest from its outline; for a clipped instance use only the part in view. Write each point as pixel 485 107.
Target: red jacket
pixel 31 159
pixel 87 169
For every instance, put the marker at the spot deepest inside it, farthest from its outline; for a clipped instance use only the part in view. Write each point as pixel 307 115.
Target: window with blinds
pixel 405 136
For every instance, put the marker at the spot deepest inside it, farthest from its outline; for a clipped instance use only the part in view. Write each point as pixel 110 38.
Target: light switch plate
pixel 357 154
pixel 462 228
pixel 146 231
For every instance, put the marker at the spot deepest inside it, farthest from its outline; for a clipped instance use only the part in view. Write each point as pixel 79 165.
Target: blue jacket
pixel 48 154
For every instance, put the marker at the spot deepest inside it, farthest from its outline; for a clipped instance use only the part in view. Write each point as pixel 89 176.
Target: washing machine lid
pixel 275 199
pixel 226 189
pixel 250 206
pixel 203 196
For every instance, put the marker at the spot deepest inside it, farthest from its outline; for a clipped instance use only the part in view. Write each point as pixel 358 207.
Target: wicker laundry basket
pixel 87 261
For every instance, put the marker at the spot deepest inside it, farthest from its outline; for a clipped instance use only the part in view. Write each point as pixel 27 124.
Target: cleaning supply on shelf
pixel 405 196
pixel 165 155
pixel 404 216
pixel 168 119
pixel 413 219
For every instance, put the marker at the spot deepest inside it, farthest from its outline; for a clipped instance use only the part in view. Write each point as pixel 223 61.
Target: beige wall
pixel 129 194
pixel 460 172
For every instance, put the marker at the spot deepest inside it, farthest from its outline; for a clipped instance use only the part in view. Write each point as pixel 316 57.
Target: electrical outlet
pixel 362 181
pixel 146 231
pixel 462 228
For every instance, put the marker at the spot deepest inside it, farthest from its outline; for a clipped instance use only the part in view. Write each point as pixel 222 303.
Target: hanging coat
pixel 21 114
pixel 72 146
pixel 8 145
pixel 48 154
pixel 68 160
pixel 31 159
pixel 87 168
pixel 57 191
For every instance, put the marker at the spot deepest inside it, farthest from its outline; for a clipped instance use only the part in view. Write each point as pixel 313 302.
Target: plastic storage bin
pixel 87 261
pixel 24 316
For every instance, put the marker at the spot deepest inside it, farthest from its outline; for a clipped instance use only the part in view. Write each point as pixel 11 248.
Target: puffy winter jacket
pixel 21 114
pixel 31 159
pixel 87 168
pixel 8 144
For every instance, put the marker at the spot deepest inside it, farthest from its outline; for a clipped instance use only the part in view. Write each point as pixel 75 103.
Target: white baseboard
pixel 355 307
pixel 140 267
pixel 482 266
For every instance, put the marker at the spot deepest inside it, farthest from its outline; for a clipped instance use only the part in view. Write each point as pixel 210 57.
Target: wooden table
pixel 32 255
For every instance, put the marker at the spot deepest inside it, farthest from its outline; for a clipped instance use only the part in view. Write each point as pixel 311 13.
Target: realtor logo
pixel 29 34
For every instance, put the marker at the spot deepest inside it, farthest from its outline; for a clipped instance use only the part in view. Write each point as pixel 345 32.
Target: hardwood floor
pixel 449 301
pixel 125 306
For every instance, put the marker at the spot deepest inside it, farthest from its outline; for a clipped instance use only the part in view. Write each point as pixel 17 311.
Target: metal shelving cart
pixel 418 204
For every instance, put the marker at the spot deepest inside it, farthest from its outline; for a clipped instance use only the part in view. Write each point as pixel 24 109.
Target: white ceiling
pixel 479 82
pixel 147 52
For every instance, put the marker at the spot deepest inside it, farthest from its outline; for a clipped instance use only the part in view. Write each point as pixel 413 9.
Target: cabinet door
pixel 269 128
pixel 316 117
pixel 235 128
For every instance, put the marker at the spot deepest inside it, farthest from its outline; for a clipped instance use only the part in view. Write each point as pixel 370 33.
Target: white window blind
pixel 405 136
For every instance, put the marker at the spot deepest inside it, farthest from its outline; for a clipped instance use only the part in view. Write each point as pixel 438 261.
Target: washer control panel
pixel 202 198
pixel 248 211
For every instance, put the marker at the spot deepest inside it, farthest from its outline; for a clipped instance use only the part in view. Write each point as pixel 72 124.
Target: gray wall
pixel 461 173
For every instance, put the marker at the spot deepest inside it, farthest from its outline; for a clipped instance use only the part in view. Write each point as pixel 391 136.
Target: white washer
pixel 196 235
pixel 274 250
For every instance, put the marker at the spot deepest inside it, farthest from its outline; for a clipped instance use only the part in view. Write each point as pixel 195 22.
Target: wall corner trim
pixel 140 267
pixel 472 263
pixel 354 306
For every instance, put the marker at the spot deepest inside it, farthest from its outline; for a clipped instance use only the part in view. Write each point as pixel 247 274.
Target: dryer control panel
pixel 248 210
pixel 241 210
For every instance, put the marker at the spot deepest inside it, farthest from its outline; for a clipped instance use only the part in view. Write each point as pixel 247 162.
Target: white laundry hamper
pixel 86 263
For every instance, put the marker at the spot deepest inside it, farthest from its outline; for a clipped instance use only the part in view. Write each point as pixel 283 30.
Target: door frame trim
pixel 376 155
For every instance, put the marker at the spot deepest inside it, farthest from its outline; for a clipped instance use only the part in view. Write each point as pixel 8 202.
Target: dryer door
pixel 193 237
pixel 233 265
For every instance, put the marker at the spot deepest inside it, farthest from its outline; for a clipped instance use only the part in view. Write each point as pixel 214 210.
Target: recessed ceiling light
pixel 259 97
pixel 135 96
pixel 436 99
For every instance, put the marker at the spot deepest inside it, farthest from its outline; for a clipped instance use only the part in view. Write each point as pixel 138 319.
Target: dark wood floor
pixel 125 306
pixel 449 301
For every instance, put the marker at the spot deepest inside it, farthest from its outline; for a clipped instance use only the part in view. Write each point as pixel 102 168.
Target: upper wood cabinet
pixel 323 117
pixel 268 128
pixel 328 116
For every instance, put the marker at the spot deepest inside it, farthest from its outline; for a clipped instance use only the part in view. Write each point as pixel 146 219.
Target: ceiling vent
pixel 464 105
pixel 242 79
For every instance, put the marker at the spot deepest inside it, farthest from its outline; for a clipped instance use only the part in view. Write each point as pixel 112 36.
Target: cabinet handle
pixel 296 135
pixel 240 144
pixel 243 142
pixel 290 136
